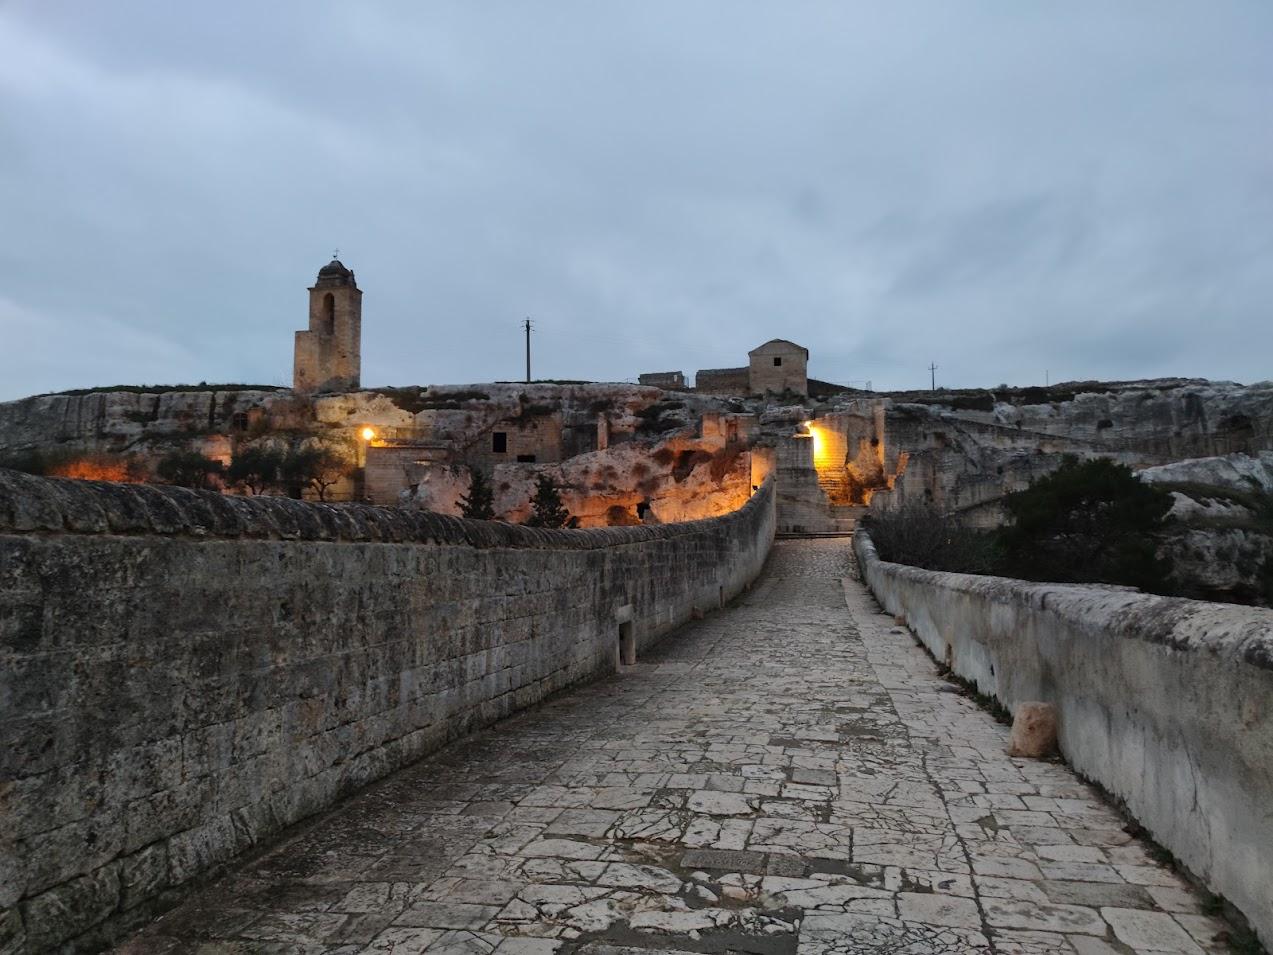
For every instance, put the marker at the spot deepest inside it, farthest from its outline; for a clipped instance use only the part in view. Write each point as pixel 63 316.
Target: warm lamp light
pixel 368 433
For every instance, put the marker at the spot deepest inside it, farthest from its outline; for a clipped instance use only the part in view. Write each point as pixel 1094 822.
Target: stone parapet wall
pixel 184 674
pixel 1167 703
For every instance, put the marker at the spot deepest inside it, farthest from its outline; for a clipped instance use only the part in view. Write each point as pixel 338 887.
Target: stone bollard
pixel 1033 730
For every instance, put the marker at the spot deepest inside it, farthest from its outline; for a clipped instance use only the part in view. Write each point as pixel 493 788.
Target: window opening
pixel 329 314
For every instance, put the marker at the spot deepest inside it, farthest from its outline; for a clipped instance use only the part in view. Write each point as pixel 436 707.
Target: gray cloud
pixel 1084 189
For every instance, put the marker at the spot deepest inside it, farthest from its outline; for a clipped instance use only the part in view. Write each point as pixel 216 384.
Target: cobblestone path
pixel 787 776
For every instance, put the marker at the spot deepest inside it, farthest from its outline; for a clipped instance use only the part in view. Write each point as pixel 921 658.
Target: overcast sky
pixel 1083 190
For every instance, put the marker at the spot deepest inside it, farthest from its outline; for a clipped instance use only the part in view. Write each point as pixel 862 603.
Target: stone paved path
pixel 787 776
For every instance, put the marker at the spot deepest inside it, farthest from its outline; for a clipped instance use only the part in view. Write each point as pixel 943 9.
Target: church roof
pixel 334 274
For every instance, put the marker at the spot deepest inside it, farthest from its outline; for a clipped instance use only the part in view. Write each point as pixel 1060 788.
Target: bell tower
pixel 328 354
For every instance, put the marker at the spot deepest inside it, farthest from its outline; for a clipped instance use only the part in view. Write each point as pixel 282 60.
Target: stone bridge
pixel 788 775
pixel 216 709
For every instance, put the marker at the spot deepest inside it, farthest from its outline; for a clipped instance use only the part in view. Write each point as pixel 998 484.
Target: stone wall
pixel 183 674
pixel 722 381
pixel 802 504
pixel 674 380
pixel 1167 703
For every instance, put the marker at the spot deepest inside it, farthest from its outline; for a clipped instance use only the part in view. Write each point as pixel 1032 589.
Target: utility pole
pixel 932 372
pixel 527 326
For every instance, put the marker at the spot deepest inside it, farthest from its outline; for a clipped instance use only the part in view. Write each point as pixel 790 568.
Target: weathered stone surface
pixel 1237 472
pixel 66 910
pixel 878 801
pixel 1033 730
pixel 184 674
pixel 1162 701
pixel 1216 542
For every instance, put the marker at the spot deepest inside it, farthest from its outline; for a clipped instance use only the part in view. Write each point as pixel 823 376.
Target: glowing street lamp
pixel 368 433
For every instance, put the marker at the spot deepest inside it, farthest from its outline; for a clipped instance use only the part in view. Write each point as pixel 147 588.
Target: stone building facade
pixel 527 440
pixel 328 354
pixel 778 366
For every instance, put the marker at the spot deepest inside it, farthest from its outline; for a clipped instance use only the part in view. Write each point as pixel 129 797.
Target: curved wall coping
pixel 1240 633
pixel 30 504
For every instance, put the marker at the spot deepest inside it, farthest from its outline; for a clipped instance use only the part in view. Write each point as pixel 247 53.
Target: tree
pixel 479 503
pixel 187 469
pixel 546 507
pixel 1087 522
pixel 255 468
pixel 311 465
pixel 328 467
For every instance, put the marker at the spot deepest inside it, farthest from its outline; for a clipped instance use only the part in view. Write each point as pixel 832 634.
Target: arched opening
pixel 329 314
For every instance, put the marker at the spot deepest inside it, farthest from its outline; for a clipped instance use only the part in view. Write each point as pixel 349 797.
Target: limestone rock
pixel 1034 728
pixel 1236 472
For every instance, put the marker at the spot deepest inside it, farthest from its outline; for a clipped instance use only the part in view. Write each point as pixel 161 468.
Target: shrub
pixel 34 460
pixel 923 536
pixel 187 469
pixel 311 465
pixel 255 468
pixel 546 507
pixel 1087 522
pixel 479 503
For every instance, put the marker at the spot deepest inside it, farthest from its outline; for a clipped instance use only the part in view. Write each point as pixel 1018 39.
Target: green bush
pixel 187 469
pixel 256 468
pixel 1087 522
pixel 546 507
pixel 479 503
pixel 922 536
pixel 33 461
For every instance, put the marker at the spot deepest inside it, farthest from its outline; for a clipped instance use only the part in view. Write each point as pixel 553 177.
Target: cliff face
pixel 965 453
pixel 1158 422
pixel 117 421
pixel 1220 537
pixel 959 451
pixel 1235 472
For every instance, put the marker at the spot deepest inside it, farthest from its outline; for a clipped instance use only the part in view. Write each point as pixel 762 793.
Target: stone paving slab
pixel 787 777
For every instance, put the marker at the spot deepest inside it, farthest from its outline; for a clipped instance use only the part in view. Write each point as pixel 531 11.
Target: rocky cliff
pixel 1220 541
pixel 966 450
